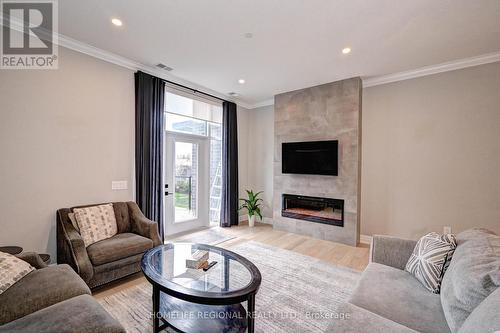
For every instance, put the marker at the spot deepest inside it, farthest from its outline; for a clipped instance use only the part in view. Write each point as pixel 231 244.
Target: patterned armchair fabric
pixel 136 234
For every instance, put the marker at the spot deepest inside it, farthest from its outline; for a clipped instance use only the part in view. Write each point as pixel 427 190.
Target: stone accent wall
pixel 327 112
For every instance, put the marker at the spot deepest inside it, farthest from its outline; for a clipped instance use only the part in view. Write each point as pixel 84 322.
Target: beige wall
pixel 64 136
pixel 242 117
pixel 431 153
pixel 260 155
pixel 255 155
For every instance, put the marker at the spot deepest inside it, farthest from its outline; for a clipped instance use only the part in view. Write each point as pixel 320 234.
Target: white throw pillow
pixel 96 223
pixel 12 269
pixel 430 259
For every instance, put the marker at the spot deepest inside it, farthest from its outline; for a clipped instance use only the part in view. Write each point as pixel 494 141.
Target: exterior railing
pixel 189 191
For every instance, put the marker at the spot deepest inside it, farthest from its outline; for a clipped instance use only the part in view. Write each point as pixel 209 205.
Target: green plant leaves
pixel 253 203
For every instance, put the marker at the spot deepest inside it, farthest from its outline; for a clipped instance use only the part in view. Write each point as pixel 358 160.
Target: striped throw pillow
pixel 430 259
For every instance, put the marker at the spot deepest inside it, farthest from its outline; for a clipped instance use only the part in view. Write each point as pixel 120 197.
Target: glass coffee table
pixel 194 300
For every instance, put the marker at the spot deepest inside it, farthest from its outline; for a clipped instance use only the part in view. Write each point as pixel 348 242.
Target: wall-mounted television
pixel 310 158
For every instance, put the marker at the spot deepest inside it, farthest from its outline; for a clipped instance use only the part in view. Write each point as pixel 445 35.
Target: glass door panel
pixel 186 181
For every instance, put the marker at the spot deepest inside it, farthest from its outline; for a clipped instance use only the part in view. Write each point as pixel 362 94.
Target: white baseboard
pixel 267 220
pixel 365 239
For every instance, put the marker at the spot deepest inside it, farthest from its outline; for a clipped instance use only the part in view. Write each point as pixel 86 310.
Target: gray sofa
pixel 109 259
pixel 388 299
pixel 52 299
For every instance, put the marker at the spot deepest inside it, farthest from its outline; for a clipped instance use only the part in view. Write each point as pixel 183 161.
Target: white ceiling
pixel 295 44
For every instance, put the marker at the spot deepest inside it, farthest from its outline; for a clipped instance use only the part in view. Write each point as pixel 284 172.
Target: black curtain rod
pixel 195 91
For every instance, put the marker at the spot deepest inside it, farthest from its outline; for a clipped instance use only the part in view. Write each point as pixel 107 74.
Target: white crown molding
pixel 433 69
pixel 113 58
pixel 419 72
pixel 245 105
pixel 263 103
pixel 116 59
pixel 95 52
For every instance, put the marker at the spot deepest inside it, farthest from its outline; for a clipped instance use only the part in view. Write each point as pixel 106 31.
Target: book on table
pixel 198 259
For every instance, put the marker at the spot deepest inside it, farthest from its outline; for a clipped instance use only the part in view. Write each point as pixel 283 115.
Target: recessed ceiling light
pixel 117 22
pixel 241 81
pixel 346 50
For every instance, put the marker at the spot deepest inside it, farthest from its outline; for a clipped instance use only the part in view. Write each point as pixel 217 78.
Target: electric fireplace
pixel 313 209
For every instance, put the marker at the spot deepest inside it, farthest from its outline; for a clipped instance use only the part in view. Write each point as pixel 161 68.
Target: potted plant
pixel 252 205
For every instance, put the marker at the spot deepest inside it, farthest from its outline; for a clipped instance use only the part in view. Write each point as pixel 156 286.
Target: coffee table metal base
pixel 192 301
pixel 185 316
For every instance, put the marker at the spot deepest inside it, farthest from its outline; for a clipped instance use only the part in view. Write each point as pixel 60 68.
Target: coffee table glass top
pixel 166 265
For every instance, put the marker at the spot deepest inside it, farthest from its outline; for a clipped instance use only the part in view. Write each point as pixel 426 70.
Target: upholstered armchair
pixel 112 258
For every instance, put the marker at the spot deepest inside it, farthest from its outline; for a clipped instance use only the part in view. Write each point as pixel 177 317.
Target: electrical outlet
pixel 447 230
pixel 119 185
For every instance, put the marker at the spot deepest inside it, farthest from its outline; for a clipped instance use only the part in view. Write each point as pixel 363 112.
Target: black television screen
pixel 310 158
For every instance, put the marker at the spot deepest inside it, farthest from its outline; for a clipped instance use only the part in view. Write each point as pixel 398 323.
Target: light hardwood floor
pixel 334 253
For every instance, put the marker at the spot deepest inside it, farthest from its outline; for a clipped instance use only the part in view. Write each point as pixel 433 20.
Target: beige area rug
pixel 297 291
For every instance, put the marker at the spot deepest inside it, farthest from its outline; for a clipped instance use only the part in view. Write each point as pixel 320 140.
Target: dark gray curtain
pixel 229 206
pixel 149 131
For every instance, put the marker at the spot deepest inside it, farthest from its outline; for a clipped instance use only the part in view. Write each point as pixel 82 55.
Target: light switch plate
pixel 119 185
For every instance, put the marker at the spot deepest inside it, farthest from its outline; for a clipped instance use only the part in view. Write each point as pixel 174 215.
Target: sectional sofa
pixel 52 299
pixel 389 299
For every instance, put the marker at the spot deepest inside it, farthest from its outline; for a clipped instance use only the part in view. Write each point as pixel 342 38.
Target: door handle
pixel 166 193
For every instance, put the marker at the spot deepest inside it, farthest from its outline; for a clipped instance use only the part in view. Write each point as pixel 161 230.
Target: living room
pixel 264 166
